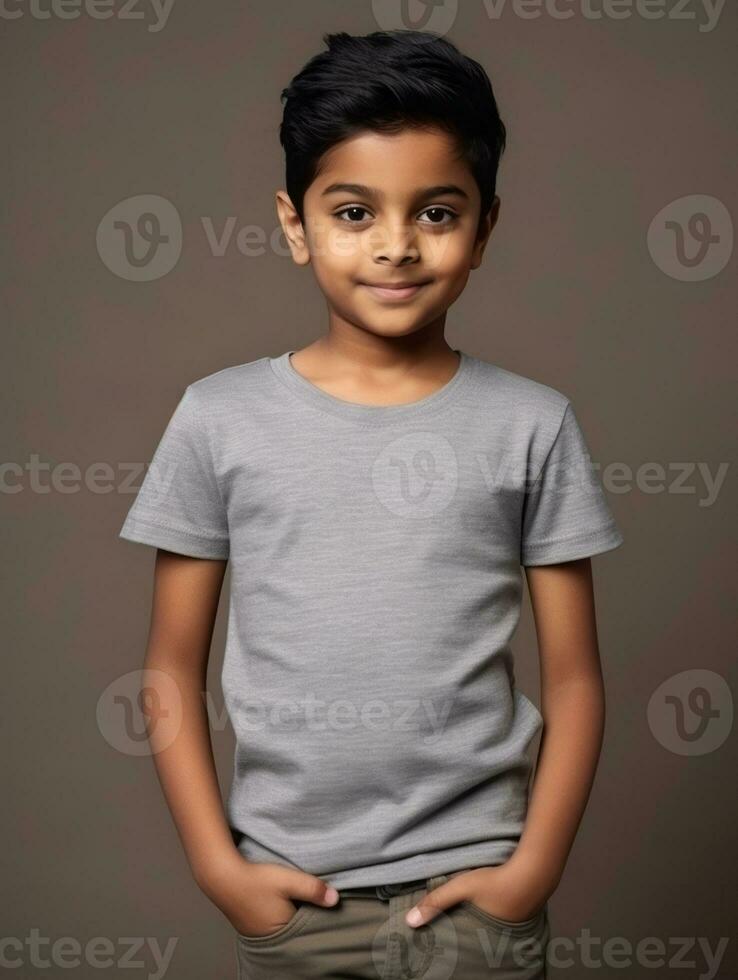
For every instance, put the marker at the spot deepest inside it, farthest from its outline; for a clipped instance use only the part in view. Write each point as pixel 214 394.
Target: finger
pixel 433 903
pixel 308 888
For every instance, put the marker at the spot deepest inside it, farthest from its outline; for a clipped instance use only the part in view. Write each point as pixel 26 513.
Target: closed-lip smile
pixel 395 285
pixel 394 291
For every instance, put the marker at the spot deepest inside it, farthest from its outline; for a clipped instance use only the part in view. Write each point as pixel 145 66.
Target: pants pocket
pixel 303 911
pixel 490 946
pixel 524 926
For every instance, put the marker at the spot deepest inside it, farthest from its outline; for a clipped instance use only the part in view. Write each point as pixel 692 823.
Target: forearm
pixel 183 757
pixel 574 713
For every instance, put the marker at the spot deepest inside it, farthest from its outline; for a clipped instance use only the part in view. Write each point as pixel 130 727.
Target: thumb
pixel 309 888
pixel 433 903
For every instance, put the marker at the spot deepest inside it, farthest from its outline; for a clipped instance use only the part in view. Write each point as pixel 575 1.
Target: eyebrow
pixel 427 192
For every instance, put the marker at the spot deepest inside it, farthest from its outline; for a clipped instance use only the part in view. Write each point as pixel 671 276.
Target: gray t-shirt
pixel 375 556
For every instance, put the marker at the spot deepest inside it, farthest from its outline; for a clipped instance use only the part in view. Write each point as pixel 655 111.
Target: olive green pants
pixel 365 937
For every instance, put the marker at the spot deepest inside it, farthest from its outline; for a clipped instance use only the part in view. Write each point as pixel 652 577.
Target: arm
pixel 573 709
pixel 255 897
pixel 185 603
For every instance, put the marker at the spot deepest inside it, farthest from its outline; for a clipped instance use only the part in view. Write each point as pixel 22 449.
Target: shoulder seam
pixel 228 367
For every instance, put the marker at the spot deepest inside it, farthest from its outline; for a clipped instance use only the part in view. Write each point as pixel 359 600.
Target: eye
pixel 353 207
pixel 348 215
pixel 440 211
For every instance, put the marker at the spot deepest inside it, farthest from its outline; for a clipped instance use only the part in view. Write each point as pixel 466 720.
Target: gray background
pixel 609 121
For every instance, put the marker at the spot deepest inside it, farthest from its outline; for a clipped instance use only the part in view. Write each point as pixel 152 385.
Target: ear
pixel 486 224
pixel 292 228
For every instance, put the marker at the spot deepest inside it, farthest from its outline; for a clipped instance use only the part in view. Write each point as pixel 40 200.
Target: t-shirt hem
pixel 440 862
pixel 571 548
pixel 189 543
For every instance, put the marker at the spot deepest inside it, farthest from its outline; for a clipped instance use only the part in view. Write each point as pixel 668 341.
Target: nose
pixel 395 243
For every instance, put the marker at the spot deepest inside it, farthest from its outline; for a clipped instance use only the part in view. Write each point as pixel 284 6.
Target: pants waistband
pixel 386 892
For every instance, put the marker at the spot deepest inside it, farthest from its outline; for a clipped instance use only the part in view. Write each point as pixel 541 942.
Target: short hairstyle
pixel 385 82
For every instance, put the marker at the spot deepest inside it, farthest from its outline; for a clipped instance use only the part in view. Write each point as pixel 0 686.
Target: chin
pixel 401 330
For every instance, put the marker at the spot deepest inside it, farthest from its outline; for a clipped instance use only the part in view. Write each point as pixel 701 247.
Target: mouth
pixel 396 292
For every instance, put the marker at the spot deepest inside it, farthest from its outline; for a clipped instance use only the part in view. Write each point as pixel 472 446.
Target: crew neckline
pixel 285 371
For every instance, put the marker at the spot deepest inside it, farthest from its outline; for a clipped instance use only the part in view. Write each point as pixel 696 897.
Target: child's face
pixel 399 226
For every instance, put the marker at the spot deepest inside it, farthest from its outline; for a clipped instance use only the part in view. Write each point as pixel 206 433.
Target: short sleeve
pixel 179 505
pixel 565 513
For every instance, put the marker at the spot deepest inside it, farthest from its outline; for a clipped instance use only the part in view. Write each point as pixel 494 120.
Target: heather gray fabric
pixel 376 580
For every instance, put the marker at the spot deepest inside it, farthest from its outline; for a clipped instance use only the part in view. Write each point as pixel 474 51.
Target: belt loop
pixel 387 892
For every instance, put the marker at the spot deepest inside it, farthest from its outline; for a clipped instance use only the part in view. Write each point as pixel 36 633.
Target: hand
pixel 512 891
pixel 256 897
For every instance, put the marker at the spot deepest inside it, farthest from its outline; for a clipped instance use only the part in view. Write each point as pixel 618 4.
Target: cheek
pixel 333 246
pixel 336 265
pixel 447 255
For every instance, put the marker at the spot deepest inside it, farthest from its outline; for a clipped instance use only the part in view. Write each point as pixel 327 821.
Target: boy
pixel 377 494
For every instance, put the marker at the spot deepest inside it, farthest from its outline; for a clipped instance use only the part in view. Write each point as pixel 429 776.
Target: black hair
pixel 387 81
